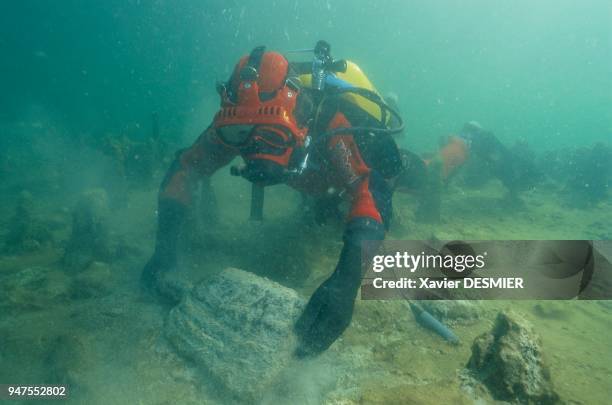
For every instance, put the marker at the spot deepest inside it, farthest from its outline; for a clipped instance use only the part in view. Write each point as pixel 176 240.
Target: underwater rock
pixel 237 328
pixel 89 240
pixel 33 288
pixel 25 232
pixel 509 362
pixel 453 311
pixel 95 281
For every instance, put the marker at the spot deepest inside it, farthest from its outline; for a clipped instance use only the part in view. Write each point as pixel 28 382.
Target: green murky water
pixel 82 81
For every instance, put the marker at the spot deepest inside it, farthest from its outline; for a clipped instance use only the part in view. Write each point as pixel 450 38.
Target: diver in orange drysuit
pixel 304 137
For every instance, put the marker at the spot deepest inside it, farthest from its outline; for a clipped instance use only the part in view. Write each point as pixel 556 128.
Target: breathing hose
pixel 370 96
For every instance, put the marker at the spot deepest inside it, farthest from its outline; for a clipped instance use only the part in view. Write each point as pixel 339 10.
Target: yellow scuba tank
pixel 354 76
pixel 330 78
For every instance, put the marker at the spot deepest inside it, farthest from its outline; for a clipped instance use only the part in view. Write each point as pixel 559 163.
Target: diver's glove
pixel 154 277
pixel 330 309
